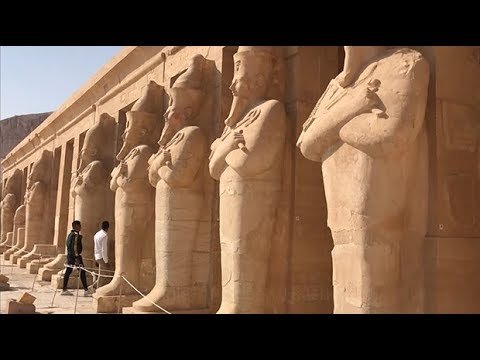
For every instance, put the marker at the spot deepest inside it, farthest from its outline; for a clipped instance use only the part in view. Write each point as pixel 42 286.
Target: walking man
pixel 74 258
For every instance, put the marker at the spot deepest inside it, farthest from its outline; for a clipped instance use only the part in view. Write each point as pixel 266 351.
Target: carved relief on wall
pixel 460 127
pixel 459 168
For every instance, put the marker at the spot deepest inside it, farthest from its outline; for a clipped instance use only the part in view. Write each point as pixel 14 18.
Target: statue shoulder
pixel 273 106
pixel 142 150
pixel 193 132
pixel 409 63
pixel 272 110
pixel 96 163
pixel 193 137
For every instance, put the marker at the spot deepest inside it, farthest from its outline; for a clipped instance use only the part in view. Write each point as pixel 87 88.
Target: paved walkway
pixel 21 281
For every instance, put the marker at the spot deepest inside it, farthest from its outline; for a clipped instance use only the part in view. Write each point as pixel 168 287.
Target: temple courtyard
pixel 21 281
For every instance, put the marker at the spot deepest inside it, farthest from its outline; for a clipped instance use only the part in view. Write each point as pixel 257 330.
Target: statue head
pixel 254 69
pixel 40 169
pixel 186 98
pixel 143 126
pixel 96 144
pixel 14 183
pixel 356 57
pixel 9 201
pixel 19 218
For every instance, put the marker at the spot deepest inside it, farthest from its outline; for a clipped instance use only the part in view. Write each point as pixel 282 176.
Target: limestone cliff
pixel 14 129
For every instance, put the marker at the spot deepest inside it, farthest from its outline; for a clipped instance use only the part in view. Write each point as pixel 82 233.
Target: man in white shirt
pixel 101 245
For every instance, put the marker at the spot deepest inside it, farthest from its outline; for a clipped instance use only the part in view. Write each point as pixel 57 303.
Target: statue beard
pixel 238 109
pixel 84 161
pixel 126 148
pixel 168 133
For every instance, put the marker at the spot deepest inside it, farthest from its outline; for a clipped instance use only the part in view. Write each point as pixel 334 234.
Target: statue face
pixel 87 154
pixel 179 106
pixel 243 77
pixel 179 110
pixel 35 175
pixel 133 134
pixel 247 85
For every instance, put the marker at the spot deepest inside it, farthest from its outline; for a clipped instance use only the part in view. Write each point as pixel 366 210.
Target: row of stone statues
pixel 367 130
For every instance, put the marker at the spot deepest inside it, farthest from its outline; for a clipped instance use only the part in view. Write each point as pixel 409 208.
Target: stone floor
pixel 21 281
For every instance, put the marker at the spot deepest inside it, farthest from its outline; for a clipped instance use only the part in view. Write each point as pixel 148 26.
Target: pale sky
pixel 37 79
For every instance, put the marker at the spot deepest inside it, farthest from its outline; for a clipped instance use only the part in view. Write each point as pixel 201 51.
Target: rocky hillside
pixel 14 129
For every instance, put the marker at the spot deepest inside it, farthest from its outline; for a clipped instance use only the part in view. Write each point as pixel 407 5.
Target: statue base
pixel 34 266
pixel 46 274
pixel 9 253
pixel 53 268
pixel 22 262
pixel 39 252
pixel 15 259
pixel 57 280
pixel 110 304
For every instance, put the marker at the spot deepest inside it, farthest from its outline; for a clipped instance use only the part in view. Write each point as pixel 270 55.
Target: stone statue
pixel 368 131
pixel 8 205
pixel 36 197
pixel 134 202
pixel 176 171
pixel 18 240
pixel 90 187
pixel 247 160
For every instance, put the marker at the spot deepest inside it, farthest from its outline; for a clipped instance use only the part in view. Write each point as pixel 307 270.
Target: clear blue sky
pixel 36 79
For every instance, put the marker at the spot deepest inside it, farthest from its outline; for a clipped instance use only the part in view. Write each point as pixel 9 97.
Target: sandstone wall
pixel 302 269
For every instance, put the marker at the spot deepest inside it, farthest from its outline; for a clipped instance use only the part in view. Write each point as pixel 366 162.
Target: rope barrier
pixel 90 272
pixel 129 283
pixel 98 277
pixel 134 288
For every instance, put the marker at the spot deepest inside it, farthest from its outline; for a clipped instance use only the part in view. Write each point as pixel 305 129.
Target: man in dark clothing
pixel 74 258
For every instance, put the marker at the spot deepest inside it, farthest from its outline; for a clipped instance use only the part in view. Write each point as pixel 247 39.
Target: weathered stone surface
pixel 15 307
pixel 135 200
pixel 177 173
pixel 37 217
pixel 247 160
pixel 27 299
pixel 300 272
pixel 368 131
